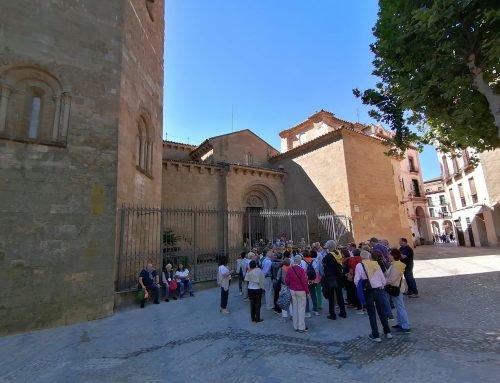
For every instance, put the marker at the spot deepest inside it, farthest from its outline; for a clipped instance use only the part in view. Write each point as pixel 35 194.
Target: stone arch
pixel 422 223
pixel 259 196
pixel 144 142
pixel 33 104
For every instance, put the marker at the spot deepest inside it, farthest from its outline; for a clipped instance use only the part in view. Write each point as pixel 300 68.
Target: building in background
pixel 474 196
pixel 410 182
pixel 439 210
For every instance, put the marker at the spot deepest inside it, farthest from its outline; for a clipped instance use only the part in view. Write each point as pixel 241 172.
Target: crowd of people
pixel 370 278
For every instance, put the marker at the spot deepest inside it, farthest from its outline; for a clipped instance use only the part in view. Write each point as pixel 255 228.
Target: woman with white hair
pixel 372 279
pixel 296 280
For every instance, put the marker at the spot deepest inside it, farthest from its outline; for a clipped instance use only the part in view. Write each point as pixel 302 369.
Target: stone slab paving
pixel 455 338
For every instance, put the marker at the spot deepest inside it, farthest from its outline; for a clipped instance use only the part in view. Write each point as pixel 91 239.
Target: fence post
pixel 195 240
pixel 291 227
pixel 249 231
pixel 307 228
pixel 120 247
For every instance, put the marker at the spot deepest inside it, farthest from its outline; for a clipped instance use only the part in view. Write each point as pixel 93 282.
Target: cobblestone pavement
pixel 455 338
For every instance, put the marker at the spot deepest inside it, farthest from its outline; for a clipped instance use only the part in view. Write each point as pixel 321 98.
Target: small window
pixel 144 146
pixel 33 106
pixel 249 159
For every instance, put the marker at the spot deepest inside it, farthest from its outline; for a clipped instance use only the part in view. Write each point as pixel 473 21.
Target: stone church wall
pixel 375 208
pixel 58 200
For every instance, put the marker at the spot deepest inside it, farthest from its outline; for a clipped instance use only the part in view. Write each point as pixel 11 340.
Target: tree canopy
pixel 438 62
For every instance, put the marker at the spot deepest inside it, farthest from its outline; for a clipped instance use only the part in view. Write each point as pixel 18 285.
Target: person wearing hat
pixel 332 281
pixel 375 296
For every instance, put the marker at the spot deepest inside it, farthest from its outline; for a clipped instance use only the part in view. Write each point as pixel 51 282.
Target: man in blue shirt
pixel 149 279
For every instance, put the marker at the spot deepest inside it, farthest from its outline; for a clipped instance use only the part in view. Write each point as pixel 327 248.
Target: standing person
pixel 276 263
pixel 239 271
pixel 314 285
pixel 407 259
pixel 256 283
pixel 332 280
pixel 296 280
pixel 395 278
pixel 183 280
pixel 266 269
pixel 281 277
pixel 150 280
pixel 223 280
pixel 370 270
pixel 167 276
pixel 375 244
pixel 245 264
pixel 352 295
pixel 378 257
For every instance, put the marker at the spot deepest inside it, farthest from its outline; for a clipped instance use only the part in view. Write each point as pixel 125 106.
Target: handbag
pixel 365 283
pixel 394 291
pixel 284 299
pixel 172 285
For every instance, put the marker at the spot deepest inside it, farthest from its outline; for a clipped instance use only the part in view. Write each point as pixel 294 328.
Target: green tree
pixel 438 61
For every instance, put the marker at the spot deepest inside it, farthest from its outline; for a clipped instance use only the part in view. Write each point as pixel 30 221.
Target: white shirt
pixel 184 273
pixel 377 280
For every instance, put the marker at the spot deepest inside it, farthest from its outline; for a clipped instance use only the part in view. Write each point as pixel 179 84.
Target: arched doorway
pixel 422 225
pixel 257 228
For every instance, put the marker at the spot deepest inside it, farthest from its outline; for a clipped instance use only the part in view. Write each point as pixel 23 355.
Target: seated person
pixel 149 279
pixel 182 278
pixel 167 276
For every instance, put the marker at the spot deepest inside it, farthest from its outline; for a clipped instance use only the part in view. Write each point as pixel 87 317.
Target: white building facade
pixel 439 210
pixel 474 196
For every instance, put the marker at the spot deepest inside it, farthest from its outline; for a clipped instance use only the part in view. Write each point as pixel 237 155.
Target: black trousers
pixel 340 301
pixel 224 295
pixel 276 296
pixel 352 295
pixel 375 305
pixel 255 302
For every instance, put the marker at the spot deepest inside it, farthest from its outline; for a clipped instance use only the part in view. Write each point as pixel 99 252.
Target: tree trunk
pixel 482 86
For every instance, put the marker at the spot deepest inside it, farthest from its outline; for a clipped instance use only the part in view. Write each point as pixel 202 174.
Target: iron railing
pixel 197 237
pixel 338 227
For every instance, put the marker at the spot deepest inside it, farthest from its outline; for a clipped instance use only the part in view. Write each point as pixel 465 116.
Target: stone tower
pixel 81 89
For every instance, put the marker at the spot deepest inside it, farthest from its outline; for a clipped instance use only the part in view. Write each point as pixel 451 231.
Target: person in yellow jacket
pixel 394 277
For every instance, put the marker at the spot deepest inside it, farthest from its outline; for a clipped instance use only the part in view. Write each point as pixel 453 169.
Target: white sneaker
pixel 315 313
pixel 378 340
pixel 308 315
pixel 241 293
pixel 388 335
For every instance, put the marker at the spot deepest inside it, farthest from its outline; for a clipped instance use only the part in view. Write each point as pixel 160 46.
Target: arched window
pixel 144 146
pixel 33 105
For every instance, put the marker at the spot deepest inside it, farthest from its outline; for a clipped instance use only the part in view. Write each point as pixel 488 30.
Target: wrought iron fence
pixel 197 237
pixel 338 227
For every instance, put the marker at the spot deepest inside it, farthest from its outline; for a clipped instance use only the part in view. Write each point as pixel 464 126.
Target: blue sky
pixel 268 63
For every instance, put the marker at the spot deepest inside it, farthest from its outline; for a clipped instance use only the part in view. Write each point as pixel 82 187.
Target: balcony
pixel 416 194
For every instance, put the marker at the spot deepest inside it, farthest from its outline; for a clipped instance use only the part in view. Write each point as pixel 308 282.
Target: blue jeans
pixel 375 305
pixel 401 312
pixel 410 280
pixel 387 304
pixel 183 285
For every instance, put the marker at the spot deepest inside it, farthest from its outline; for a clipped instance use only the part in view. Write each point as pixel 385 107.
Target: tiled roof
pixel 299 125
pixel 178 143
pixel 323 138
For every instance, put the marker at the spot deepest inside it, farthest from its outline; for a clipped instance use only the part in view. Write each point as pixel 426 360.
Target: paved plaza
pixel 455 338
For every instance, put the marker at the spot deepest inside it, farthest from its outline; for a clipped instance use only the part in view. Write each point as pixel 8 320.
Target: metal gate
pixel 197 237
pixel 338 227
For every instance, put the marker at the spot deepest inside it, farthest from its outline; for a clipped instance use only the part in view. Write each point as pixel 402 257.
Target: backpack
pixel 311 273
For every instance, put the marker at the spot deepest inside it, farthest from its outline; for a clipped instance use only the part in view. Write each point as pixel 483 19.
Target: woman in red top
pixel 352 296
pixel 296 280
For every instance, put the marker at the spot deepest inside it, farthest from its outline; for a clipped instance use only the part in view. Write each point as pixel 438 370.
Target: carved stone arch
pixel 33 104
pixel 144 144
pixel 259 196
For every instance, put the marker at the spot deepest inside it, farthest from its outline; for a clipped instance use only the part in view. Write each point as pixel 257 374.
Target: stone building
pixel 410 183
pixel 332 165
pixel 80 133
pixel 325 165
pixel 474 195
pixel 439 208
